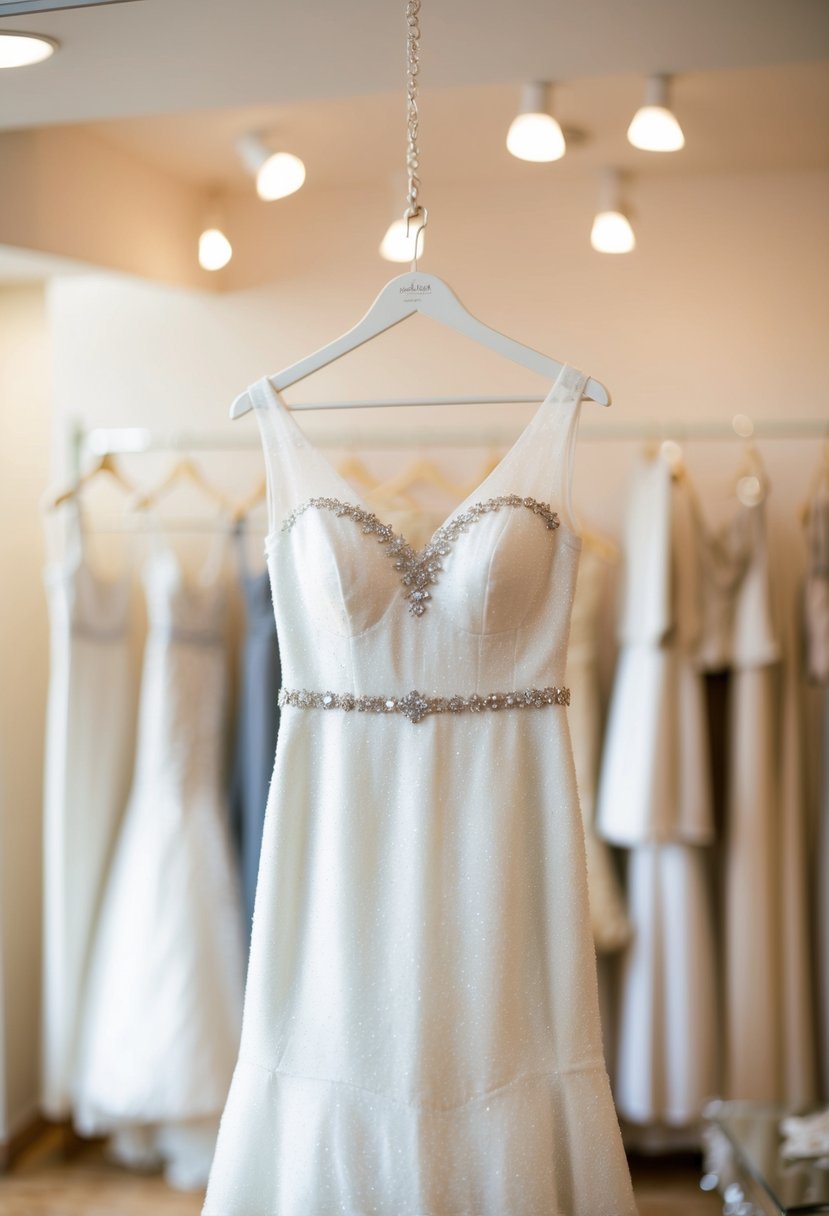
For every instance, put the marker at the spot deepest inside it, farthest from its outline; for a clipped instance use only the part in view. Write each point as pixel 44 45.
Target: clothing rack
pixel 97 441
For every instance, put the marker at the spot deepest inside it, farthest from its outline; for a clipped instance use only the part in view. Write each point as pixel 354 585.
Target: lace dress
pixel 421 1033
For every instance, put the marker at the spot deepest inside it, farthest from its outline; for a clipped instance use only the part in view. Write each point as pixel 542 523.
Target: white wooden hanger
pixel 402 297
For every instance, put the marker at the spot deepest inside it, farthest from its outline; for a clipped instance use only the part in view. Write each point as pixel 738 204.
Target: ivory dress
pixel 162 1015
pixel 608 915
pixel 737 636
pixel 421 1033
pixel 655 799
pixel 89 733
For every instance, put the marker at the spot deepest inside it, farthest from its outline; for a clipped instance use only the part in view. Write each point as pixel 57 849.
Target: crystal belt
pixel 416 705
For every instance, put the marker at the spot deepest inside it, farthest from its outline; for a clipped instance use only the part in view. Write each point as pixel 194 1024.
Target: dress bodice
pixel 183 610
pixel 483 607
pixel 736 627
pixel 80 599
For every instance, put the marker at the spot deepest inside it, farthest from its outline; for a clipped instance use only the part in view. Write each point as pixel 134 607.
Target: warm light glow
pixel 672 454
pixel 612 233
pixel 280 175
pixel 396 246
pixel 536 137
pixel 21 50
pixel 215 250
pixel 655 129
pixel 750 491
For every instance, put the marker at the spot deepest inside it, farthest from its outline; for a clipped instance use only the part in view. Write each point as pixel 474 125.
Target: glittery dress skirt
pixel 421 1032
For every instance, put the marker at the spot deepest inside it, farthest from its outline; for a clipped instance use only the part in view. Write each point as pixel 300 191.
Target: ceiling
pixel 771 118
pixel 174 84
pixel 157 56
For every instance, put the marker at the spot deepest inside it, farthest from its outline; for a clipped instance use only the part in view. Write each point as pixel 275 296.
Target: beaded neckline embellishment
pixel 419 569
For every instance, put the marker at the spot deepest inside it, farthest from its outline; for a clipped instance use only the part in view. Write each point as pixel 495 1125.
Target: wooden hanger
pixel 184 470
pixel 819 477
pixel 419 471
pixel 752 465
pixel 353 469
pixel 402 297
pixel 253 500
pixel 104 464
pixel 599 544
pixel 492 461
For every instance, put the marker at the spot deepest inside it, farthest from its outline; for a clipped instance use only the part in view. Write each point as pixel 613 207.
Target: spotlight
pixel 654 127
pixel 277 174
pixel 611 231
pixel 535 135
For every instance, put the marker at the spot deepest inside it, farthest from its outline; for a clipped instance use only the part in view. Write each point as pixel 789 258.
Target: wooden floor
pixel 61 1177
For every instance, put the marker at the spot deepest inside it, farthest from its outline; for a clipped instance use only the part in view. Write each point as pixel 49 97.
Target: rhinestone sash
pixel 416 705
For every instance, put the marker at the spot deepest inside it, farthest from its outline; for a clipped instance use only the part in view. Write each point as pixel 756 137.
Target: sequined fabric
pixel 421 1032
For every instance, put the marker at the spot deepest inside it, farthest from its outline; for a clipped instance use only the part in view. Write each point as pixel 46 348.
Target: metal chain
pixel 412 69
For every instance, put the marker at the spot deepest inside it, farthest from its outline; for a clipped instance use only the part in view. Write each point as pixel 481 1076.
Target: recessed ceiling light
pixel 20 50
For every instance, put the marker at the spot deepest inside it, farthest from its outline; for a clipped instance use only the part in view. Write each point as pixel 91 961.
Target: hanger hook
pixel 410 215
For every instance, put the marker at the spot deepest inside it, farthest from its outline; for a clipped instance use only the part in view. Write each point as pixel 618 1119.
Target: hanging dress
pixel 816 631
pixel 88 750
pixel 608 915
pixel 162 1016
pixel 654 799
pixel 737 635
pixel 257 720
pixel 421 1032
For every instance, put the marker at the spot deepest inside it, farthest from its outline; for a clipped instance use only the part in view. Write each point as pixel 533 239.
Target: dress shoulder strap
pixel 542 459
pixel 281 437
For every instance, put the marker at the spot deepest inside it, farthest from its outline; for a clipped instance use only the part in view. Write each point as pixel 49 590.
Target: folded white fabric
pixel 805 1136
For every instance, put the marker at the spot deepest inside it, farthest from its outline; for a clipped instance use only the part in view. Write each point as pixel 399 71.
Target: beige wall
pixel 723 307
pixel 76 196
pixel 25 444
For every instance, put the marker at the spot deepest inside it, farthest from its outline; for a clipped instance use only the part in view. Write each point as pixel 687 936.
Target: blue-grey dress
pixel 257 720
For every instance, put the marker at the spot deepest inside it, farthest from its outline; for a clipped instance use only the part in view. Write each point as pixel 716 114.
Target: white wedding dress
pixel 421 1033
pixel 160 1027
pixel 88 752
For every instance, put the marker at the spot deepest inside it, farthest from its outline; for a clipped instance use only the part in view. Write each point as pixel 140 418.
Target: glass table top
pixel 795 1187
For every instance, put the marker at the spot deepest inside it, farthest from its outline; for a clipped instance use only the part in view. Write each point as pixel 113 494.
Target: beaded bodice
pixel 483 607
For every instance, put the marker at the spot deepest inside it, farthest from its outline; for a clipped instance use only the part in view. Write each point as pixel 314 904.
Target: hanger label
pixel 410 291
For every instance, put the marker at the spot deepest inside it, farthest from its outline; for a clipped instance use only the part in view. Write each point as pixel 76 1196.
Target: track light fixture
pixel 277 174
pixel 535 135
pixel 612 231
pixel 654 127
pixel 215 250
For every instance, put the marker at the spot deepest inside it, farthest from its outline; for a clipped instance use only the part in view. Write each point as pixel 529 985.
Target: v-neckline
pixel 287 412
pixel 213 565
